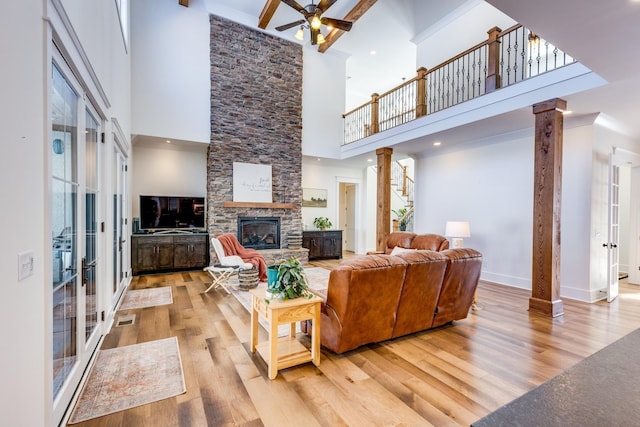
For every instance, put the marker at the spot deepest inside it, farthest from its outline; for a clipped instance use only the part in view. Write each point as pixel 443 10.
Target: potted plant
pixel 322 223
pixel 400 213
pixel 291 282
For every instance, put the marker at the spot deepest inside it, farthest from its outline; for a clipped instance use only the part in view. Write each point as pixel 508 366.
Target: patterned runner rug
pixel 130 376
pixel 140 298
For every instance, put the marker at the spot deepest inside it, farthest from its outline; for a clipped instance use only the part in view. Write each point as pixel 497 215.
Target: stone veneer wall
pixel 256 117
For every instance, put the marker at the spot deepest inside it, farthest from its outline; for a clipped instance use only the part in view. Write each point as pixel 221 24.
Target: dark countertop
pixel 601 390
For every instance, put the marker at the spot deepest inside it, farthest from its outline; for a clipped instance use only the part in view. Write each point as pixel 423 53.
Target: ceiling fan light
pixel 320 39
pixel 299 35
pixel 315 22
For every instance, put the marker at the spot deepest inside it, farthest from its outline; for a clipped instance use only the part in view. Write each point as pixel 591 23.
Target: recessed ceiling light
pixel 437 144
pixel 369 160
pixel 318 159
pixel 168 141
pixel 373 52
pixel 567 112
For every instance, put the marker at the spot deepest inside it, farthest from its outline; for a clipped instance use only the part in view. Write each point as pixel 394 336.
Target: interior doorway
pixel 347 215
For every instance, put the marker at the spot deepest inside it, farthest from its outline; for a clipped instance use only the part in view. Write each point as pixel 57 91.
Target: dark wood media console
pixel 151 253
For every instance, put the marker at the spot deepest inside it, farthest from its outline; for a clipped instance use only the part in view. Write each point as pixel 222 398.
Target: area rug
pixel 140 298
pixel 130 376
pixel 317 278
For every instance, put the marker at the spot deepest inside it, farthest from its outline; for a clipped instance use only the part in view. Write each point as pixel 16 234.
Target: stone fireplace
pixel 256 117
pixel 259 232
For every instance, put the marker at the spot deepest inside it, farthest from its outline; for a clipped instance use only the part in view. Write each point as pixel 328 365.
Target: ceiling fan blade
pixel 314 35
pixel 295 5
pixel 337 23
pixel 325 4
pixel 290 25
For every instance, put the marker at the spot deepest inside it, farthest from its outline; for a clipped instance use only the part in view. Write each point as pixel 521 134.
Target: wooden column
pixel 421 93
pixel 374 113
pixel 493 62
pixel 545 281
pixel 383 209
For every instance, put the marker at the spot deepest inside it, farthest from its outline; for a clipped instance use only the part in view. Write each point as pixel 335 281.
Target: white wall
pixel 475 21
pixel 170 70
pixel 166 170
pixel 25 389
pixel 323 92
pixel 491 186
pixel 325 174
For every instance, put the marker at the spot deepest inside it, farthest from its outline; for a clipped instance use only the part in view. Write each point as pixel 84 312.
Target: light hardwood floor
pixel 450 376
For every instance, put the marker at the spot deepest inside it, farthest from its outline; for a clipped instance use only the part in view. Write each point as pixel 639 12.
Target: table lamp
pixel 457 230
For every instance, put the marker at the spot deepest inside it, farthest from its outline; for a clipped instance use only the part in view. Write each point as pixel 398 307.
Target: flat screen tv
pixel 169 212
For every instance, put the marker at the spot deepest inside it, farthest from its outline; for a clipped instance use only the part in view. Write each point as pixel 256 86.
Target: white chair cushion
pixel 235 261
pixel 228 260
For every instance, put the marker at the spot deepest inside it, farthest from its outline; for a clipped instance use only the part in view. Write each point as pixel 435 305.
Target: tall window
pixel 123 14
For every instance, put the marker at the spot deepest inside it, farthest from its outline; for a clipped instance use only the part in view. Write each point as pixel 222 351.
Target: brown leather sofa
pixel 404 239
pixel 377 297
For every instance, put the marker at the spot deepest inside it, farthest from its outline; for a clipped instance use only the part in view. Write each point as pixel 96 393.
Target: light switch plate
pixel 25 264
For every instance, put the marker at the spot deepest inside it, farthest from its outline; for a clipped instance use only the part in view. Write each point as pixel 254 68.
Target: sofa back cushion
pixel 430 242
pixel 362 296
pixel 420 291
pixel 399 238
pixel 459 284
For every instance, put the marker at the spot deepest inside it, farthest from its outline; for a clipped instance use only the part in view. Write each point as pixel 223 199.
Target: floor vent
pixel 127 320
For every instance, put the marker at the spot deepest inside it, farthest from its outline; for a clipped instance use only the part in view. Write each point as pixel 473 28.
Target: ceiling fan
pixel 313 20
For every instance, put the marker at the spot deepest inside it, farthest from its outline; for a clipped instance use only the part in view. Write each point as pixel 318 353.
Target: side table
pixel 284 352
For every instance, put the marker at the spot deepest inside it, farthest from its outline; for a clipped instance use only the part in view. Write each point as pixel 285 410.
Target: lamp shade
pixel 457 229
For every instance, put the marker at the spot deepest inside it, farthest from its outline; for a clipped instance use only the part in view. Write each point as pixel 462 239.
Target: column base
pixel 547 308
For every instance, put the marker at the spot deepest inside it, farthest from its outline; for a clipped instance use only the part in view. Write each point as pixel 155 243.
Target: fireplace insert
pixel 259 232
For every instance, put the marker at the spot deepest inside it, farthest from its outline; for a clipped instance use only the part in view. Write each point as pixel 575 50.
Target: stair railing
pixel 504 58
pixel 402 181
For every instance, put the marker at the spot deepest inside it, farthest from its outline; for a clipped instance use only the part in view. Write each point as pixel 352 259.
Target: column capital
pixel 551 104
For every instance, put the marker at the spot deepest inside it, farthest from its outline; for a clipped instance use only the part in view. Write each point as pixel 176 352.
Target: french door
pixel 613 229
pixel 75 188
pixel 119 223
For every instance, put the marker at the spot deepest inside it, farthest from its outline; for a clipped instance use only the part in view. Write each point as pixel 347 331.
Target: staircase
pixel 403 185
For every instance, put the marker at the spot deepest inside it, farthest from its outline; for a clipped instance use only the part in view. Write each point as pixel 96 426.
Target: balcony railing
pixel 505 58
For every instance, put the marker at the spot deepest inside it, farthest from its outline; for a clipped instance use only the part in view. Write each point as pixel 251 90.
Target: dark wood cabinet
pixel 152 253
pixel 323 244
pixel 189 251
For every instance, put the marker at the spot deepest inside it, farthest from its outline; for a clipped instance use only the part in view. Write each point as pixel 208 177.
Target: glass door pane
pixel 64 104
pixel 91 224
pixel 119 224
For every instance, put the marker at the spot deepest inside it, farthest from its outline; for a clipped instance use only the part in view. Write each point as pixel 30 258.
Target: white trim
pixel 120 138
pixel 64 35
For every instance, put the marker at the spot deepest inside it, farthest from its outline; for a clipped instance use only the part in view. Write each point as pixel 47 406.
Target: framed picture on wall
pixel 314 198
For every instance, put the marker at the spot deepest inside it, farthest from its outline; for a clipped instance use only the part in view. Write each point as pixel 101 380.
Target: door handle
pixel 85 268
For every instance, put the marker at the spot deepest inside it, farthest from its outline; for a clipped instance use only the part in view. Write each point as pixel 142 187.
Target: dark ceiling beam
pixel 353 15
pixel 267 13
pixel 184 3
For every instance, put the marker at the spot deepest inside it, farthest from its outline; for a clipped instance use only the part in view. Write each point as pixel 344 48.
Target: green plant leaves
pixel 291 282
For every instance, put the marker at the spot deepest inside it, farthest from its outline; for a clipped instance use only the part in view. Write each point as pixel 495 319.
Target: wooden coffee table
pixel 284 352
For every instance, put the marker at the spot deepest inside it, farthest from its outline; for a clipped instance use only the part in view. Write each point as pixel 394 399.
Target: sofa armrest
pixel 375 253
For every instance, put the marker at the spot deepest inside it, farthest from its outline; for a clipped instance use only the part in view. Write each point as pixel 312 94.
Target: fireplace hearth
pixel 259 232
